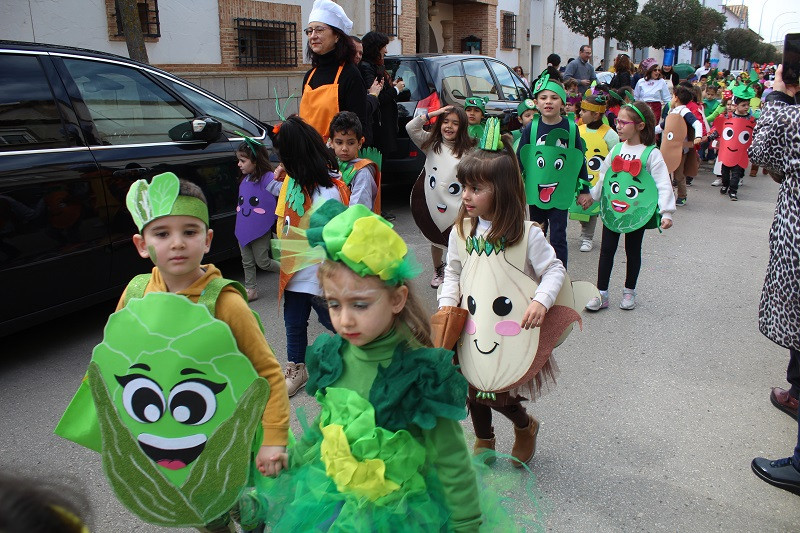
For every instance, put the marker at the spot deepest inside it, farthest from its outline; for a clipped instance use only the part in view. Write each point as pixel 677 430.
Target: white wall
pixel 188 36
pixel 509 57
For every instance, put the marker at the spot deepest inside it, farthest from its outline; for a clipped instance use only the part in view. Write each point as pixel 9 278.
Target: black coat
pixel 383 121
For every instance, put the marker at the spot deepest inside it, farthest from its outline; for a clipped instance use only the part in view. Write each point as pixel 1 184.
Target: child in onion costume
pixel 387 452
pixel 501 269
pixel 635 193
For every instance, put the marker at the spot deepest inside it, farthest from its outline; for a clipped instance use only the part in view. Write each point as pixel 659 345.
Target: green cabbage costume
pixel 629 197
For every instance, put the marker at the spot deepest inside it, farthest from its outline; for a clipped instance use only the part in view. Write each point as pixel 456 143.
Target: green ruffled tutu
pixel 347 474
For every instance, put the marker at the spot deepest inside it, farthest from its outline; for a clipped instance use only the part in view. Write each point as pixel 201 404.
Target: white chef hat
pixel 332 14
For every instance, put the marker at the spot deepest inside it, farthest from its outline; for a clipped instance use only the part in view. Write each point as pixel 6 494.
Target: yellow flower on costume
pixel 365 478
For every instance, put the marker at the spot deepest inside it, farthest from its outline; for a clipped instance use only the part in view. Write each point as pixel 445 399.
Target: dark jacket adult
pixel 621 79
pixel 352 93
pixel 672 77
pixel 382 124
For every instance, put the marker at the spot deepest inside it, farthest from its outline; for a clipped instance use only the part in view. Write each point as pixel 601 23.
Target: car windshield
pixel 231 121
pixel 409 71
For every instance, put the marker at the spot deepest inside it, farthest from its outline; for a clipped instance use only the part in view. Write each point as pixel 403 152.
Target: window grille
pixel 266 43
pixel 148 17
pixel 509 30
pixel 386 17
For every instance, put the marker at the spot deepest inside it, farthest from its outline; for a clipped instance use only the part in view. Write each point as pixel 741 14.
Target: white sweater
pixel 655 166
pixel 542 265
pixel 441 165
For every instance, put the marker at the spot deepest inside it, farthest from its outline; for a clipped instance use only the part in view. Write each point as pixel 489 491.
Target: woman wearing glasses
pixel 334 82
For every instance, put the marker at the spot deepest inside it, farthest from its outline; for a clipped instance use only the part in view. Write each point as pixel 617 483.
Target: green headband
pixel 525 105
pixel 491 138
pixel 475 101
pixel 160 198
pixel 631 106
pixel 363 241
pixel 544 83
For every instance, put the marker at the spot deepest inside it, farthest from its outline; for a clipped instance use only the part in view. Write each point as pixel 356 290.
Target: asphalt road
pixel 657 413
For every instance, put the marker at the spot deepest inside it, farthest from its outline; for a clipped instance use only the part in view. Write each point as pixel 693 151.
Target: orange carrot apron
pixel 293 205
pixel 319 106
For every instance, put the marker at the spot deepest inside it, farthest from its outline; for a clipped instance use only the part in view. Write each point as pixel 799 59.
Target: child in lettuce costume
pixel 183 398
pixel 387 452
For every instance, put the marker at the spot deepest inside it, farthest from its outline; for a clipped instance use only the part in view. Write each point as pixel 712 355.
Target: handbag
pixel 447 325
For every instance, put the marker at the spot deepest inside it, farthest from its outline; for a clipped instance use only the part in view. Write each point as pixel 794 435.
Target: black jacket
pixel 383 122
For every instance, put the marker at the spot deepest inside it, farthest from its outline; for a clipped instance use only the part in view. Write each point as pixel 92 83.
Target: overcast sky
pixel 780 17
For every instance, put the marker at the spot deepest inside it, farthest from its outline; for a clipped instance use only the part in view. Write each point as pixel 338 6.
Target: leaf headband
pixel 281 111
pixel 252 143
pixel 160 198
pixel 631 106
pixel 544 83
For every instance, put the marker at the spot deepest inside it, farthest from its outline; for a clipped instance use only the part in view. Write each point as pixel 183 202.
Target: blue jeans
pixel 556 221
pixel 296 310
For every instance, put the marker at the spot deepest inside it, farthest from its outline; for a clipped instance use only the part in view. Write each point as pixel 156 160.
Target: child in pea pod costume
pixel 387 452
pixel 476 111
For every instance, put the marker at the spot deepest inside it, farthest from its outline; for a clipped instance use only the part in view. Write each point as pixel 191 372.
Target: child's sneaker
pixel 438 277
pixel 252 295
pixel 717 182
pixel 586 245
pixel 689 181
pixel 733 196
pixel 723 190
pixel 296 377
pixel 628 299
pixel 598 303
pixel 680 201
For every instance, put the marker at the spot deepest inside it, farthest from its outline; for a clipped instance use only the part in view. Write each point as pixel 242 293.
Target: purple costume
pixel 255 209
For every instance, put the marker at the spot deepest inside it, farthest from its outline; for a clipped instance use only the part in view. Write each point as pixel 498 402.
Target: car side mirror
pixel 200 129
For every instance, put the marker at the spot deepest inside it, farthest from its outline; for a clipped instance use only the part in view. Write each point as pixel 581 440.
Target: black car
pixel 436 80
pixel 77 127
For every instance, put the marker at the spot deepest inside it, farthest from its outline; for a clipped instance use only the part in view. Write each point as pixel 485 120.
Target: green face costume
pixel 630 197
pixel 551 170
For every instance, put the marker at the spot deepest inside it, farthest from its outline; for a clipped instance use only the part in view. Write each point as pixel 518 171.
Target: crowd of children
pixel 388 446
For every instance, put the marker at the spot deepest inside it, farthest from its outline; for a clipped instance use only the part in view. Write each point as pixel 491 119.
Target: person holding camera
pixel 776 146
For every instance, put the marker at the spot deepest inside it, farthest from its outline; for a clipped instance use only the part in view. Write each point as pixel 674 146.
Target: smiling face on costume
pixel 492 336
pixel 361 309
pixel 734 140
pixel 630 196
pixel 551 171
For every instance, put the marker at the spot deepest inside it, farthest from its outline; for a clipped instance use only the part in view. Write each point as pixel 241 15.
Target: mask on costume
pixel 736 135
pixel 630 196
pixel 255 210
pixel 551 170
pixel 672 139
pixel 443 197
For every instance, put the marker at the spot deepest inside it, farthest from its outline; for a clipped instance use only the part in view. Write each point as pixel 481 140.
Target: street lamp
pixel 771 32
pixel 772 35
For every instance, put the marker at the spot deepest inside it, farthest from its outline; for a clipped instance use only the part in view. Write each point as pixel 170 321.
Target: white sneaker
pixel 717 182
pixel 628 299
pixel 252 295
pixel 587 245
pixel 596 304
pixel 438 277
pixel 296 377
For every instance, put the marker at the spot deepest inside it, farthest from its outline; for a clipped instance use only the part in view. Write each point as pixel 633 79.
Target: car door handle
pixel 131 172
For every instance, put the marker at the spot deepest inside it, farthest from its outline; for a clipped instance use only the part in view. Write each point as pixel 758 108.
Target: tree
pixel 613 18
pixel 712 22
pixel 132 28
pixel 422 26
pixel 676 21
pixel 581 16
pixel 738 43
pixel 638 30
pixel 764 53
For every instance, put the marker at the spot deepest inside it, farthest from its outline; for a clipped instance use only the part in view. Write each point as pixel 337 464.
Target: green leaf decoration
pixel 295 197
pixel 490 139
pixel 479 245
pixel 163 192
pixel 138 203
pixel 373 154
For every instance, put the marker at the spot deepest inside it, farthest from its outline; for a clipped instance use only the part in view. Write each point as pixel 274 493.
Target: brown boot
pixel 525 442
pixel 482 445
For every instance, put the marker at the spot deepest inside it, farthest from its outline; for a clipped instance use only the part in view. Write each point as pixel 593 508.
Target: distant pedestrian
pixel 521 74
pixel 623 70
pixel 581 69
pixel 553 66
pixel 651 89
